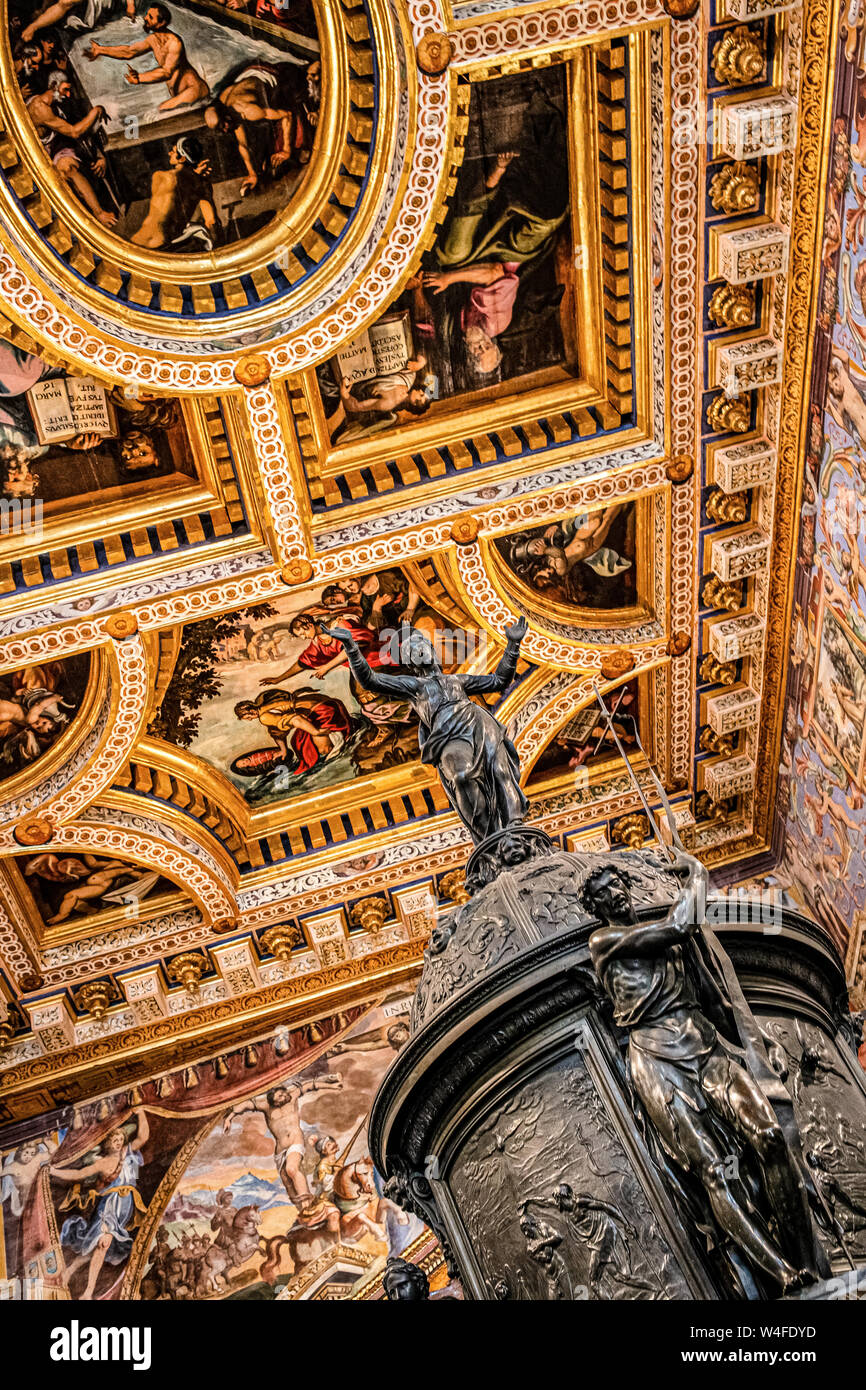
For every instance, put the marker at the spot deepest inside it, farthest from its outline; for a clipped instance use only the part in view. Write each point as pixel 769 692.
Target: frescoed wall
pixel 244 1176
pixel 821 797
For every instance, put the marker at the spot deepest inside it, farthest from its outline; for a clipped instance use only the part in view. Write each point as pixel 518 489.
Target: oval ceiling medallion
pixel 199 178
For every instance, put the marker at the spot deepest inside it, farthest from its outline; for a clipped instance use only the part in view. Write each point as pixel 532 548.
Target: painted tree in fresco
pixel 195 679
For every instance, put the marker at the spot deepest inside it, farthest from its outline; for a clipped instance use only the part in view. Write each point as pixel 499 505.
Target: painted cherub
pixel 20 1169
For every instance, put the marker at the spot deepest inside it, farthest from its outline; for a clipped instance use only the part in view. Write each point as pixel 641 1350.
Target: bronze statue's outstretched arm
pixel 501 678
pixel 380 684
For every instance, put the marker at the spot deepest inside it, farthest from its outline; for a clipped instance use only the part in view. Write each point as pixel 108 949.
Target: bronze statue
pixel 700 1096
pixel 404 1282
pixel 477 763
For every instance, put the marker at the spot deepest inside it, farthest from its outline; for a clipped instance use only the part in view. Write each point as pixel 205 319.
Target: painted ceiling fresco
pixel 179 127
pixel 585 561
pixel 65 436
pixel 387 316
pixel 247 1177
pixel 269 701
pixel 494 299
pixel 37 703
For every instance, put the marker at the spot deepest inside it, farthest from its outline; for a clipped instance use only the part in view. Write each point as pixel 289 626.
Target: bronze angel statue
pixel 476 761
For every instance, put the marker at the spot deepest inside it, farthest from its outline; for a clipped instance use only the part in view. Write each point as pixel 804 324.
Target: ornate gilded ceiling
pixel 367 312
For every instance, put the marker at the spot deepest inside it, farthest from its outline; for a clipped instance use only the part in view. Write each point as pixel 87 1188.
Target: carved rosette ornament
pixel 95 997
pixel 721 745
pixel 739 56
pixel 630 831
pixel 713 811
pixel 35 830
pixel 727 506
pixel 187 969
pixel 679 643
pixel 718 594
pixel 681 9
pixel 617 663
pixel 121 626
pixel 297 571
pixel 281 941
pixel 253 370
pixel 680 468
pixel 225 925
pixel 732 306
pixel 370 914
pixel 453 886
pixel 735 188
pixel 434 52
pixel 464 531
pixel 725 414
pixel 715 672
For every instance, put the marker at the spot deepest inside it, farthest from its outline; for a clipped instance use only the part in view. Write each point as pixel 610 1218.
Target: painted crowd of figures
pixel 267 697
pixel 275 1181
pixel 284 714
pixel 180 127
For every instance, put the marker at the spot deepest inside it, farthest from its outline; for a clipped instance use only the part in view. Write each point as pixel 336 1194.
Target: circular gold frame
pixel 287 228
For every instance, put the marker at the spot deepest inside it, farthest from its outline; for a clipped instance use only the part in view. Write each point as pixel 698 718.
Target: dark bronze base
pixel 507 1122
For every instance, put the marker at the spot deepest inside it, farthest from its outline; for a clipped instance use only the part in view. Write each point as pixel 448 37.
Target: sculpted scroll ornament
pixel 411 1190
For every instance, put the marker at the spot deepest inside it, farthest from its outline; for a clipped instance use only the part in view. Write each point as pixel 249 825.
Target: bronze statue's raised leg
pixel 735 1095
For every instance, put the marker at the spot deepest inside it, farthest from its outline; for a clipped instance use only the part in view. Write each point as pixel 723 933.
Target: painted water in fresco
pixel 267 699
pixel 181 127
pixel 246 1176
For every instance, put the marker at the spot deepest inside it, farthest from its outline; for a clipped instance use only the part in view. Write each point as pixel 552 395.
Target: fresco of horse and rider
pixel 245 1176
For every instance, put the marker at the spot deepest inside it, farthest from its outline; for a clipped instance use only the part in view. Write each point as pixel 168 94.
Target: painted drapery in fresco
pixel 243 1176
